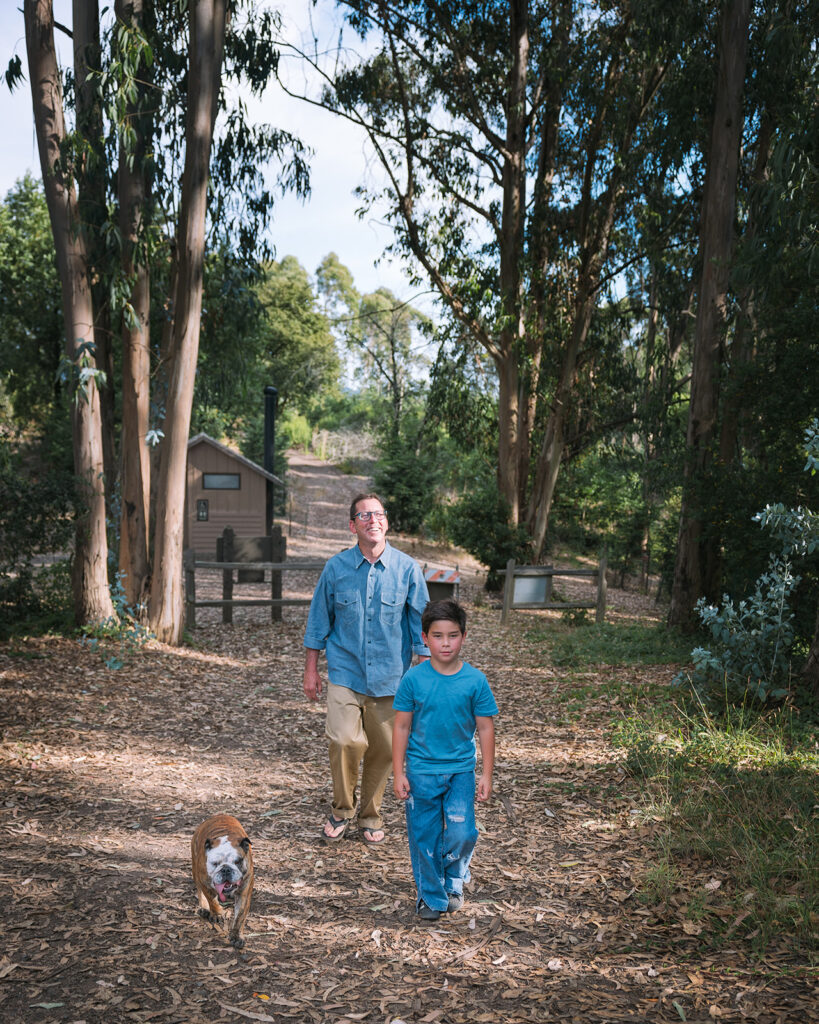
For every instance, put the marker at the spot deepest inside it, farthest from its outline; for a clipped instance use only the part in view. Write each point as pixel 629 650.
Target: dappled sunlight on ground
pixel 106 774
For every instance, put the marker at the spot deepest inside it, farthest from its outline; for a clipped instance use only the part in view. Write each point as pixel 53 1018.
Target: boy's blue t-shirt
pixel 444 708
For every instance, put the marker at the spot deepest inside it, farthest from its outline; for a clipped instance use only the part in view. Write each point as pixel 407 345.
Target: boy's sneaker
pixel 427 913
pixel 456 901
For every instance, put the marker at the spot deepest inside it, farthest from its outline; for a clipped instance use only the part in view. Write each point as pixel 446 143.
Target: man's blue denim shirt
pixel 368 619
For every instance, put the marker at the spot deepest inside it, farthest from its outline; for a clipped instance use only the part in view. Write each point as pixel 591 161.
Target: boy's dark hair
pixel 446 611
pixel 363 497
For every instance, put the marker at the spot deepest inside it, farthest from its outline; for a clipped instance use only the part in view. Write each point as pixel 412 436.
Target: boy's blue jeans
pixel 442 833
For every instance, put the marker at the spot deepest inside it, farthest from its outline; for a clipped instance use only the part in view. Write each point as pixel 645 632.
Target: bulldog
pixel 223 872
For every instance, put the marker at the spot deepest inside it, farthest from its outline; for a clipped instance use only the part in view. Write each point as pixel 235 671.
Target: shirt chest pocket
pixel 347 607
pixel 392 604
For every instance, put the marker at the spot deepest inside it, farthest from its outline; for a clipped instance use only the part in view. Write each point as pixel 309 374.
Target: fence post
pixel 228 551
pixel 508 589
pixel 188 561
pixel 278 554
pixel 600 614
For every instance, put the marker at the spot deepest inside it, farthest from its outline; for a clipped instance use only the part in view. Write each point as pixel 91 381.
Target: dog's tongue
pixel 220 889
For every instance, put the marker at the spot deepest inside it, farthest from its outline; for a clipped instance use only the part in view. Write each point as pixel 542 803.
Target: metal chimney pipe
pixel 271 402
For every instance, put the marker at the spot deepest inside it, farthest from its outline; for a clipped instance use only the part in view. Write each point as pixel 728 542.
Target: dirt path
pixel 105 774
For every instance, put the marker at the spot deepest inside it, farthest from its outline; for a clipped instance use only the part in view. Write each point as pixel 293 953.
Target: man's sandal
pixel 368 836
pixel 335 823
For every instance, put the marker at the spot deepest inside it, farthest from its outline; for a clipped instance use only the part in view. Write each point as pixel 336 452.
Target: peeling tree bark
pixel 92 598
pixel 93 210
pixel 207 35
pixel 513 450
pixel 136 360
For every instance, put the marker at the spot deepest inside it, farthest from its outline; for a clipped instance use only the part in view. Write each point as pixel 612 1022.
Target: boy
pixel 439 705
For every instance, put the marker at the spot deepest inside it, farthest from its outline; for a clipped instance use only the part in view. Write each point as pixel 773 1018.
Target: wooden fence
pixel 235 555
pixel 530 586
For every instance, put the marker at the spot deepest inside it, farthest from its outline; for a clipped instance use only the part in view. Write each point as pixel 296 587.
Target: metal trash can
pixel 442 583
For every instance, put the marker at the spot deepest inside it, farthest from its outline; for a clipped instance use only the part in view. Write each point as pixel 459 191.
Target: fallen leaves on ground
pixel 105 775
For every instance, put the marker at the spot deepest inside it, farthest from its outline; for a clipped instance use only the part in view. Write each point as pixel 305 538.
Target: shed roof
pixel 207 439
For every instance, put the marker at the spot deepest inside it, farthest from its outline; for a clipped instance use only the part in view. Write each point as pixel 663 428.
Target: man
pixel 366 615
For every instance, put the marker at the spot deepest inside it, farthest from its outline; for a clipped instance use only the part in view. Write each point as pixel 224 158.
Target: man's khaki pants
pixel 359 727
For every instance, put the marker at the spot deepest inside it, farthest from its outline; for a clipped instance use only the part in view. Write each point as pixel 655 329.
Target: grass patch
pixel 612 644
pixel 731 797
pixel 739 794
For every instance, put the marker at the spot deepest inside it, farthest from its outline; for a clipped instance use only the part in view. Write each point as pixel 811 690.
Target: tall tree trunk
pixel 93 210
pixel 92 598
pixel 550 456
pixel 207 35
pixel 596 218
pixel 509 438
pixel 514 435
pixel 649 386
pixel 543 213
pixel 697 560
pixel 742 353
pixel 136 361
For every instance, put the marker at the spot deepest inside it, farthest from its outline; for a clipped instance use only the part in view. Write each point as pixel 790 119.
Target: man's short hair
pixel 363 497
pixel 443 611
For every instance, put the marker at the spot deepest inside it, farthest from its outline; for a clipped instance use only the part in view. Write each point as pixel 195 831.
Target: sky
pixel 325 223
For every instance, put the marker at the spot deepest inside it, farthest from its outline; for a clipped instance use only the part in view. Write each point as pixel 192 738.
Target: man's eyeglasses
pixel 365 517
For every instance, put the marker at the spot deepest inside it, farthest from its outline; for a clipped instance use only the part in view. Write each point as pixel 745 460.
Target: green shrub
pixel 405 480
pixel 479 523
pixel 119 637
pixel 37 600
pixel 749 658
pixel 36 519
pixel 295 430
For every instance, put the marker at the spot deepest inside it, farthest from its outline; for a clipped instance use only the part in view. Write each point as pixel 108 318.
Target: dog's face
pixel 227 865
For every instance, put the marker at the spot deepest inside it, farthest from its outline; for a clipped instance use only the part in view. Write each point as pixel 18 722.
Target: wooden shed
pixel 223 489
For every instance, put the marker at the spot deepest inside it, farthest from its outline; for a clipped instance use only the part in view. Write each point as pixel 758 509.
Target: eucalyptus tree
pixel 77 225
pixel 92 598
pixel 147 89
pixel 750 396
pixel 776 390
pixel 512 137
pixel 133 110
pixel 696 572
pixel 207 41
pixel 149 114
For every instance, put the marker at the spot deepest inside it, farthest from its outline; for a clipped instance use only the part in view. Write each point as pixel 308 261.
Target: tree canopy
pixel 624 335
